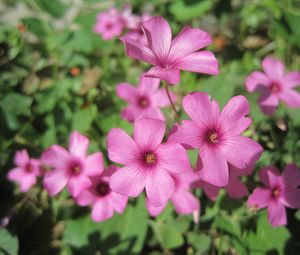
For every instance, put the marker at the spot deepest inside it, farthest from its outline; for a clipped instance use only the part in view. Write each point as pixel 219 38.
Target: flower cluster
pixel 156 161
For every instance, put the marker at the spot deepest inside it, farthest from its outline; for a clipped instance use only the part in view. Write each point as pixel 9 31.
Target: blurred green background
pixel 58 76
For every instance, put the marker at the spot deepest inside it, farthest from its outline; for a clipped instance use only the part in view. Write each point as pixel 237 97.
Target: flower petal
pixel 121 147
pixel 171 76
pixel 131 113
pixel 148 85
pixel 268 103
pixel 291 176
pixel 256 81
pixel 93 164
pixel 273 68
pixel 269 176
pixel 241 151
pixel 148 133
pixel 260 198
pixel 85 198
pixel 159 40
pixel 292 80
pixel 21 158
pixel 187 41
pixel 291 98
pixel 128 181
pixel 160 98
pixel 56 157
pixel 118 202
pixel 199 62
pixel 185 202
pixel 291 197
pixel 236 188
pixel 211 191
pixel 55 181
pixel 155 210
pixel 78 144
pixel 78 183
pixel 276 214
pixel 102 211
pixel 152 113
pixel 233 116
pixel 127 92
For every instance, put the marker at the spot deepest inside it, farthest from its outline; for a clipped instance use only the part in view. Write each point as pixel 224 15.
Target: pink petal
pixel 171 76
pixel 155 210
pixel 291 98
pixel 260 198
pixel 187 41
pixel 102 211
pixel 160 98
pixel 130 113
pixel 78 183
pixel 173 157
pixel 233 116
pixel 16 174
pixel 273 68
pixel 152 113
pixel 121 147
pixel 292 80
pixel 269 176
pixel 236 188
pixel 93 164
pixel 215 168
pixel 127 92
pixel 185 202
pixel 128 181
pixel 138 51
pixel 199 62
pixel 268 103
pixel 27 182
pixel 159 186
pixel 55 181
pixel 85 198
pixel 201 109
pixel 241 172
pixel 256 81
pixel 78 144
pixel 211 191
pixel 159 40
pixel 186 134
pixel 291 197
pixel 21 158
pixel 118 202
pixel 148 85
pixel 241 151
pixel 56 157
pixel 291 176
pixel 24 179
pixel 276 214
pixel 148 133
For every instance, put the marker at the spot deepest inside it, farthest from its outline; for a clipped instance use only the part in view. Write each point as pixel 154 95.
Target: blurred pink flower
pixel 183 199
pixel 144 100
pixel 109 24
pixel 71 168
pixel 279 191
pixel 274 86
pixel 103 200
pixel 170 56
pixel 148 162
pixel 26 170
pixel 217 135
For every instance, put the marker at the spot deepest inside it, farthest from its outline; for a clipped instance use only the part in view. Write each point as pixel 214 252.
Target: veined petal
pixel 260 198
pixel 273 68
pixel 127 92
pixel 256 81
pixel 171 76
pixel 78 144
pixel 155 210
pixel 276 214
pixel 56 156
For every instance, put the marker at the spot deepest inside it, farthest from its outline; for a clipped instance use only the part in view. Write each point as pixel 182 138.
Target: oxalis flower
pixel 26 170
pixel 103 200
pixel 274 86
pixel 144 100
pixel 279 191
pixel 71 168
pixel 217 135
pixel 148 163
pixel 183 199
pixel 170 56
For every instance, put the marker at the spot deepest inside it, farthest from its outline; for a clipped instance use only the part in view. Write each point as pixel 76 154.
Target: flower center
pixel 275 87
pixel 29 168
pixel 275 192
pixel 75 168
pixel 143 102
pixel 212 137
pixel 103 189
pixel 108 26
pixel 150 158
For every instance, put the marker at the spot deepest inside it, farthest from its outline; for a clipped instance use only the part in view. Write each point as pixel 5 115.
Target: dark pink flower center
pixel 75 167
pixel 108 26
pixel 276 192
pixel 28 168
pixel 212 137
pixel 103 189
pixel 149 158
pixel 143 102
pixel 275 87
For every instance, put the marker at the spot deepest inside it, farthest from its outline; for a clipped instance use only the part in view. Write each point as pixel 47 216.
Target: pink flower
pixel 217 135
pixel 235 188
pixel 170 56
pixel 183 199
pixel 144 101
pixel 103 200
pixel 274 86
pixel 148 162
pixel 26 171
pixel 71 168
pixel 279 191
pixel 109 24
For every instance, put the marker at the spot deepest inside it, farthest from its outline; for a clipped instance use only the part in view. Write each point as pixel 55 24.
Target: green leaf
pixel 200 242
pixel 54 7
pixel 9 244
pixel 82 120
pixel 36 26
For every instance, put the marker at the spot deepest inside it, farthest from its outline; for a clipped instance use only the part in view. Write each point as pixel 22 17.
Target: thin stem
pixel 171 102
